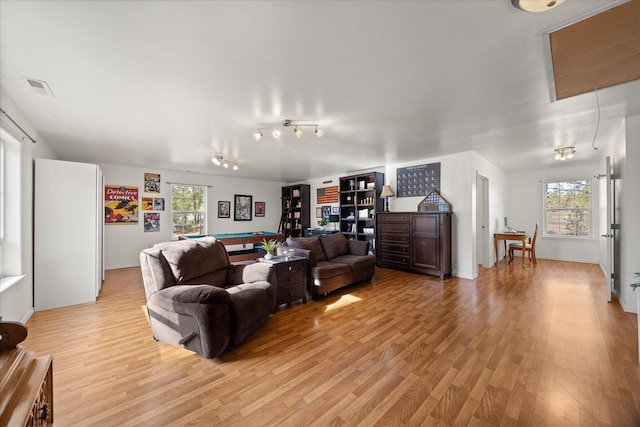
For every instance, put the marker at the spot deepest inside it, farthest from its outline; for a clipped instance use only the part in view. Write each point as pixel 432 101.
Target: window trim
pixel 590 210
pixel 204 211
pixel 2 209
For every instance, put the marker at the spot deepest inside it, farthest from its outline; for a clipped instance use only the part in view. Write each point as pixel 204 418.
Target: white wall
pixel 525 208
pixel 630 225
pixel 123 243
pixel 497 204
pixel 16 303
pixel 457 183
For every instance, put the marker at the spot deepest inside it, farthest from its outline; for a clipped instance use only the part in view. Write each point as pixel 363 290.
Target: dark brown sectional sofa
pixel 333 261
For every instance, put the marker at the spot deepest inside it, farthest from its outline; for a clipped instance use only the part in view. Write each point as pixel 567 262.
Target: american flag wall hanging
pixel 328 195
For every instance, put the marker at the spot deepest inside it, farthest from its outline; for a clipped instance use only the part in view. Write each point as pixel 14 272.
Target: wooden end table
pixel 291 278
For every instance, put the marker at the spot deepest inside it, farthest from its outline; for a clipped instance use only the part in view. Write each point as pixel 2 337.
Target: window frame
pixel 589 210
pixel 204 210
pixel 2 204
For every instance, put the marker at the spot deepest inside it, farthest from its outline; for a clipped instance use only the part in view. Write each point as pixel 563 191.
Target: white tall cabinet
pixel 68 233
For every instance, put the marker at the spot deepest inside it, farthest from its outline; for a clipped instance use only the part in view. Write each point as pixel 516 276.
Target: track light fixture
pixel 225 163
pixel 296 129
pixel 565 153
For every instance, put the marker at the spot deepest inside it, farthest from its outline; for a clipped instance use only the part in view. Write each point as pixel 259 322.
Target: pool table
pixel 241 246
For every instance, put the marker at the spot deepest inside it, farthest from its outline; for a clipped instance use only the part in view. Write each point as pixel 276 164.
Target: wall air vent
pixel 39 86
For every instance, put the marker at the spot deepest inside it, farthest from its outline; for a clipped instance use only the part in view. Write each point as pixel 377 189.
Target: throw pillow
pixel 334 245
pixel 309 243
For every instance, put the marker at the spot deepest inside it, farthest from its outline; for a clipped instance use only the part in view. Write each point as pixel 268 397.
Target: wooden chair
pixel 529 247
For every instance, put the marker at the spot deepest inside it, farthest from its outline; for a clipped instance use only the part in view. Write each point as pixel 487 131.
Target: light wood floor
pixel 535 346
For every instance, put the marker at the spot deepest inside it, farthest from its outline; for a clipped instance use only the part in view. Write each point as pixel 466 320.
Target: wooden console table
pixel 26 382
pixel 507 235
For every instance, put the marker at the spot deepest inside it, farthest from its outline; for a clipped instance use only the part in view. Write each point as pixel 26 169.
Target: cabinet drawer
pixel 395 238
pixel 386 218
pixel 391 247
pixel 394 228
pixel 290 266
pixel 290 293
pixel 392 258
pixel 290 278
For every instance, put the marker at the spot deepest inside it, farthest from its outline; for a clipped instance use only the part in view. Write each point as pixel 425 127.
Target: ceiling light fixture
pixel 290 123
pixel 225 163
pixel 535 5
pixel 565 153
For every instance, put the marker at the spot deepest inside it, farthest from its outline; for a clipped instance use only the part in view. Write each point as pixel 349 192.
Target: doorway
pixel 610 189
pixel 482 221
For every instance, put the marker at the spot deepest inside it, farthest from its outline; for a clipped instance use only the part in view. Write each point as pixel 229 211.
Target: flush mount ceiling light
pixel 296 129
pixel 225 163
pixel 565 153
pixel 535 5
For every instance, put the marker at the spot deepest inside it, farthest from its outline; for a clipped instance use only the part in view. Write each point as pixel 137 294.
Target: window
pixel 2 213
pixel 10 210
pixel 188 209
pixel 567 207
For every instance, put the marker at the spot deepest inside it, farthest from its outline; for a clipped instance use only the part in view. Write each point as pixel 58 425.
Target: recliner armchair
pixel 198 300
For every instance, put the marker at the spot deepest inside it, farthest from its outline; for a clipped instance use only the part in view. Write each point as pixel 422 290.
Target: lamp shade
pixel 386 191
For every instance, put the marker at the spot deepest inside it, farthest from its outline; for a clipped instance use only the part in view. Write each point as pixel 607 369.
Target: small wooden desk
pixel 507 235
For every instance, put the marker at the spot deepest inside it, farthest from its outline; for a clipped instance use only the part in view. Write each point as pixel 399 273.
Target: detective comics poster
pixel 120 204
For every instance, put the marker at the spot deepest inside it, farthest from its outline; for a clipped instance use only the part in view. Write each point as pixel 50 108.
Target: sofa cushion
pixel 190 259
pixel 356 262
pixel 309 243
pixel 327 269
pixel 334 245
pixel 251 304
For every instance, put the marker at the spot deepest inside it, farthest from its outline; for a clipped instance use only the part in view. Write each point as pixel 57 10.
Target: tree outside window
pixel 188 209
pixel 568 209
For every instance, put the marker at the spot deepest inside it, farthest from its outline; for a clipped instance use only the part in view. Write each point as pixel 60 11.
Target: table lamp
pixel 386 193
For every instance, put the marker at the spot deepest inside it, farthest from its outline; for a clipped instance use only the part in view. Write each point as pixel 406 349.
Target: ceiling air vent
pixel 39 86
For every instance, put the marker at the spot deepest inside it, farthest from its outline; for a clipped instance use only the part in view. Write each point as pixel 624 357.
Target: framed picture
pixel 151 182
pixel 259 209
pixel 335 209
pixel 318 212
pixel 224 209
pixel 326 211
pixel 151 222
pixel 147 203
pixel 158 203
pixel 242 207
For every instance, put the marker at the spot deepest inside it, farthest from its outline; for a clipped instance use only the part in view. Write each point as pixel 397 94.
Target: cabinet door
pixel 426 238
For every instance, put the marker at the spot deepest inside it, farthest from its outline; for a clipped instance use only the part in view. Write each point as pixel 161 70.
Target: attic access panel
pixel 600 51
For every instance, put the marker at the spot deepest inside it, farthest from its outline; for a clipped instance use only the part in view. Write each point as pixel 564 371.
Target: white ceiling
pixel 164 84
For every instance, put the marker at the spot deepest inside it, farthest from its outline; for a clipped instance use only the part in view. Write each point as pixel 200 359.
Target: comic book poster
pixel 120 204
pixel 151 222
pixel 158 203
pixel 147 203
pixel 151 182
